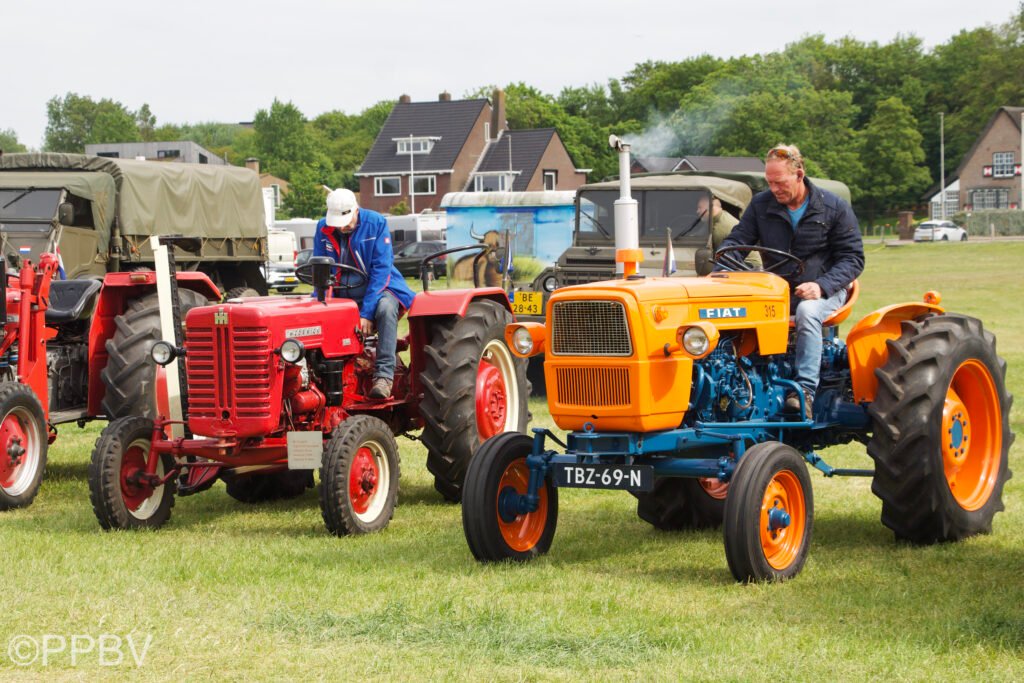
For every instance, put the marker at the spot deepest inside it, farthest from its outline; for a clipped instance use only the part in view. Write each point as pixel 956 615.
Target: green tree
pixel 894 170
pixel 9 141
pixel 75 121
pixel 145 121
pixel 284 143
pixel 346 139
pixel 305 197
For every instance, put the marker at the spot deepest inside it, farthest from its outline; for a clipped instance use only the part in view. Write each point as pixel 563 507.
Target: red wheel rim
pixel 972 438
pixel 13 435
pixel 363 479
pixel 524 532
pixel 714 488
pixel 491 400
pixel 782 546
pixel 133 493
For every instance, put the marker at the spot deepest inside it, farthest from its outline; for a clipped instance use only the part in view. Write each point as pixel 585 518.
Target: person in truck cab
pixel 819 228
pixel 360 238
pixel 722 223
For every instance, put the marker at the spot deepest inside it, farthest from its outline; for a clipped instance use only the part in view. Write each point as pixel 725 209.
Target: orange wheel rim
pixel 972 439
pixel 524 532
pixel 781 546
pixel 714 488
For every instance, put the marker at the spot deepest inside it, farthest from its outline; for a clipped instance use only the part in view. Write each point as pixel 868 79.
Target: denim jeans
pixel 386 321
pixel 810 314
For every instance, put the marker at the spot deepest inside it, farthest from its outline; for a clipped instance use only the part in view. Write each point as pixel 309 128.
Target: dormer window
pixel 415 145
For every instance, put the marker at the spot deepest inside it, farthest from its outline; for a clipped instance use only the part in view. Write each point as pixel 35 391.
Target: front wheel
pixel 23 445
pixel 359 477
pixel 497 480
pixel 123 495
pixel 768 514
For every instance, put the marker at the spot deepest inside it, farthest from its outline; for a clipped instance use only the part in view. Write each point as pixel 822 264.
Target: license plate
pixel 290 279
pixel 624 477
pixel 528 303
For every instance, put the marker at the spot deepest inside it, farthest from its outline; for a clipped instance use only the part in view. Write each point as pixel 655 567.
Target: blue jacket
pixel 827 238
pixel 367 248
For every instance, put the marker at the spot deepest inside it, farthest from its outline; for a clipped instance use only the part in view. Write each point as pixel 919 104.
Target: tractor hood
pixel 733 286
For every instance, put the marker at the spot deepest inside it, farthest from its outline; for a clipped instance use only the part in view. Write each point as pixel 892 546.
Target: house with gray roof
pixel 655 164
pixel 450 145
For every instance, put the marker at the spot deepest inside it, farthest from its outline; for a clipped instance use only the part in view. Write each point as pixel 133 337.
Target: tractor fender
pixel 118 289
pixel 866 343
pixel 453 301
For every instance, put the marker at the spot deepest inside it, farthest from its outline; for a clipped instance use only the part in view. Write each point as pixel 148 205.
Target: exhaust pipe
pixel 627 229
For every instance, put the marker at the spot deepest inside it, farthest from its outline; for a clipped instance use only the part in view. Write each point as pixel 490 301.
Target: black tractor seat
pixel 72 300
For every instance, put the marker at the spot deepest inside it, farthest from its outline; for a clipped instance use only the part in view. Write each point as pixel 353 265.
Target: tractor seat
pixel 843 312
pixel 72 300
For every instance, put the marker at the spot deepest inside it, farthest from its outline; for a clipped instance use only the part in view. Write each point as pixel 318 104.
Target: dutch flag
pixel 670 256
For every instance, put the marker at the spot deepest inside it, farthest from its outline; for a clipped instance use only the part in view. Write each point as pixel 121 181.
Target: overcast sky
pixel 214 60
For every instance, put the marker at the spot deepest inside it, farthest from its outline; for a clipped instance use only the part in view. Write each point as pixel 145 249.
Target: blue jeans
pixel 386 321
pixel 810 314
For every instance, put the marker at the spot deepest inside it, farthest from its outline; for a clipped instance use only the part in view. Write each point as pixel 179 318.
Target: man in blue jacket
pixel 360 238
pixel 816 226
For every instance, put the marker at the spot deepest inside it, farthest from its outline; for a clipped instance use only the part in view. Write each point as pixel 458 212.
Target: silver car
pixel 939 231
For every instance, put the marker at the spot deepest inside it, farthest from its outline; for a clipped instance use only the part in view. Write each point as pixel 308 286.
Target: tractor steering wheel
pixel 730 262
pixel 305 275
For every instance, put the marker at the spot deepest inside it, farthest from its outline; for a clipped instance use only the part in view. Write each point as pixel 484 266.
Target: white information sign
pixel 305 450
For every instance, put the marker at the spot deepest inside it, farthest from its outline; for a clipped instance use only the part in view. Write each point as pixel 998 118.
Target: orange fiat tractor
pixel 673 390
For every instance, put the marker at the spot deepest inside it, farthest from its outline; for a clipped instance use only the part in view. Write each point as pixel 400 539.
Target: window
pixel 277 195
pixel 487 131
pixel 492 182
pixel 990 198
pixel 550 180
pixel 387 186
pixel 168 153
pixel 203 159
pixel 109 155
pixel 415 146
pixel 424 184
pixel 1002 164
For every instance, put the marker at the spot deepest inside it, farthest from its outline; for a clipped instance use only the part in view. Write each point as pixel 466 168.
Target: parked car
pixel 408 258
pixel 303 257
pixel 939 231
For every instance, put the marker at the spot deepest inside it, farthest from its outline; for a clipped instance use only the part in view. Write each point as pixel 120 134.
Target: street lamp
pixel 424 143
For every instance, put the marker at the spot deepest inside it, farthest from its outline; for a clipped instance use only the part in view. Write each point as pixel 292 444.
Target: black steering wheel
pixel 305 275
pixel 726 260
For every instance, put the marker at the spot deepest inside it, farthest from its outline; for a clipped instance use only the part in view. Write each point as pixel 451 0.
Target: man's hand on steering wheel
pixel 727 260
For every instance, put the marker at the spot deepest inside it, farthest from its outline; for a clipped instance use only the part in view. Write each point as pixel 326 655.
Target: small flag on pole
pixel 670 256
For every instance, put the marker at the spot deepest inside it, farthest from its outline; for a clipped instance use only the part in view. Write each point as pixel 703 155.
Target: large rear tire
pixel 676 504
pixel 130 376
pixel 23 445
pixel 498 476
pixel 474 389
pixel 941 430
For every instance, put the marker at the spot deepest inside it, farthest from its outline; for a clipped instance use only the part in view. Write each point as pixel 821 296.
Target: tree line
pixel 862 112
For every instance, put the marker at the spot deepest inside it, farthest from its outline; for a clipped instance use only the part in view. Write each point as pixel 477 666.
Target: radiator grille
pixel 590 328
pixel 593 386
pixel 228 369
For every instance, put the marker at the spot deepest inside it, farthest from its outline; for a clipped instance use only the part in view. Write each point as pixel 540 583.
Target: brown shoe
pixel 792 404
pixel 381 387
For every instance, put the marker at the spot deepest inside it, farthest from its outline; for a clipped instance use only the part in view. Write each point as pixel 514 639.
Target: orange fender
pixel 866 346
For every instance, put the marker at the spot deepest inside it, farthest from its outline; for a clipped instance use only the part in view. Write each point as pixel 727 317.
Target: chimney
pixel 444 97
pixel 498 122
pixel 404 99
pixel 253 164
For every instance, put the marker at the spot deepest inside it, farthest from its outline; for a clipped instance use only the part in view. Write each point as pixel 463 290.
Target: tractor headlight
pixel 549 283
pixel 292 351
pixel 522 341
pixel 163 353
pixel 695 341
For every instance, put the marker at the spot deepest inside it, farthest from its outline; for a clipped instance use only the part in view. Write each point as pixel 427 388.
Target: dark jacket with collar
pixel 827 238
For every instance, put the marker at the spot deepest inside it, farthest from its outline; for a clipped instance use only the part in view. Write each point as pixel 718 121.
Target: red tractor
pixel 275 387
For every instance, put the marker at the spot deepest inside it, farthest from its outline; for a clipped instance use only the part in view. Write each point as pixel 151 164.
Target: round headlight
pixel 522 340
pixel 292 350
pixel 695 341
pixel 162 353
pixel 549 283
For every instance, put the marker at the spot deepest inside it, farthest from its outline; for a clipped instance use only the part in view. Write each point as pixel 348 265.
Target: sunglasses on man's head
pixel 781 153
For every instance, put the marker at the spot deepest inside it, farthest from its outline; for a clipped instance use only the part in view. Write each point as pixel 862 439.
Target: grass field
pixel 233 592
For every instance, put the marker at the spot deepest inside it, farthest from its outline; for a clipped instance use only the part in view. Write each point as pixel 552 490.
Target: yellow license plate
pixel 528 303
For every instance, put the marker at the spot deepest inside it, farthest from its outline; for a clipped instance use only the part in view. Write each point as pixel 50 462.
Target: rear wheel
pixel 768 514
pixel 123 496
pixel 942 434
pixel 239 292
pixel 130 375
pixel 474 388
pixel 23 445
pixel 359 477
pixel 497 480
pixel 677 503
pixel 262 488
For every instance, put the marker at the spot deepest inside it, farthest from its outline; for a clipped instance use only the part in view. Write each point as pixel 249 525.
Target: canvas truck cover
pixel 731 191
pixel 98 188
pixel 213 202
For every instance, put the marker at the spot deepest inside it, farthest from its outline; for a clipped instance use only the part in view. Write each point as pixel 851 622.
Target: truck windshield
pixel 675 210
pixel 28 204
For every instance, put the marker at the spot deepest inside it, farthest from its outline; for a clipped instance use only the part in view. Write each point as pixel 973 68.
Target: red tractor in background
pixel 275 387
pixel 72 351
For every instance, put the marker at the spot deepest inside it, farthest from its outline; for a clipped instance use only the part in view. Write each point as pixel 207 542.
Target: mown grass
pixel 235 592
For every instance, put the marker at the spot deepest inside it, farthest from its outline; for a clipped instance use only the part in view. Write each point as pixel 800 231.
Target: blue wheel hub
pixel 778 519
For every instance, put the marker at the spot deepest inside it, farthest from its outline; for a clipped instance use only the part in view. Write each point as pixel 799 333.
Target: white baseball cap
pixel 340 205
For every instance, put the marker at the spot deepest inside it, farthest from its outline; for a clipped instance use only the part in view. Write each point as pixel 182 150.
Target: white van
pixel 280 268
